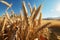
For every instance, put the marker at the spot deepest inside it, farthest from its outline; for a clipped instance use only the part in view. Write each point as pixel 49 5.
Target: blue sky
pixel 51 8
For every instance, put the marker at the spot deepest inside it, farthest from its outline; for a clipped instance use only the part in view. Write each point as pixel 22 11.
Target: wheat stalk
pixel 30 8
pixel 7 4
pixel 8 17
pixel 3 28
pixel 40 19
pixel 37 11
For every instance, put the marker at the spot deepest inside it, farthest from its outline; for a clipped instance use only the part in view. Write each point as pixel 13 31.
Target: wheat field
pixel 24 27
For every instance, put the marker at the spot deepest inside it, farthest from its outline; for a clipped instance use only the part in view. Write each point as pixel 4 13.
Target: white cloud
pixel 55 12
pixel 58 8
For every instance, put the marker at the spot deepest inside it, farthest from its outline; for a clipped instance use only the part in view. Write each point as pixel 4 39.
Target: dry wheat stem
pixel 4 24
pixel 7 4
